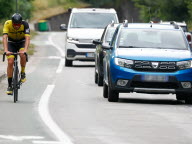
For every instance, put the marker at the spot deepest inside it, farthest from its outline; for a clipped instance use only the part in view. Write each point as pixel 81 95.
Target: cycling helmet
pixel 17 18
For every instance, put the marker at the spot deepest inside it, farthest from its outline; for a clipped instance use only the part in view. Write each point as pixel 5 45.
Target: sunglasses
pixel 16 24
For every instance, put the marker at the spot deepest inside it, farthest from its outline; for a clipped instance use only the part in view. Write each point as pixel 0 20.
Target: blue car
pixel 148 58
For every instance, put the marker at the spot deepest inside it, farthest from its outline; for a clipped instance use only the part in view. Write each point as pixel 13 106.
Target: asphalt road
pixel 63 105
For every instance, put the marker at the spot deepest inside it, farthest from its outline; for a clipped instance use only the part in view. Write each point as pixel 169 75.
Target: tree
pixel 177 10
pixel 8 7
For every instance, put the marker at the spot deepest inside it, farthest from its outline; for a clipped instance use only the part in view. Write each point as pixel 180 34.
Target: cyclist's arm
pixel 5 42
pixel 27 42
pixel 27 36
pixel 5 36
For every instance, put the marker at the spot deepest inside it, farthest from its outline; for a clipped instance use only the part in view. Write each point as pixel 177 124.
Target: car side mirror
pixel 96 42
pixel 63 27
pixel 107 47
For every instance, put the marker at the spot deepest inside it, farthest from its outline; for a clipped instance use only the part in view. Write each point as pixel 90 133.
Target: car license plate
pixel 89 54
pixel 154 78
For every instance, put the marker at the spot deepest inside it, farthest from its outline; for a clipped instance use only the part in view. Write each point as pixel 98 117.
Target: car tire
pixel 100 80
pixel 188 99
pixel 105 90
pixel 113 96
pixel 96 77
pixel 68 63
pixel 180 96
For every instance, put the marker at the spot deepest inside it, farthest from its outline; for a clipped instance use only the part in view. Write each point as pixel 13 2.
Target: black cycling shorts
pixel 15 46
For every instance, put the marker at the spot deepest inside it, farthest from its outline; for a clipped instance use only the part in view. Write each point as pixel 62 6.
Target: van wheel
pixel 113 96
pixel 180 96
pixel 68 63
pixel 105 90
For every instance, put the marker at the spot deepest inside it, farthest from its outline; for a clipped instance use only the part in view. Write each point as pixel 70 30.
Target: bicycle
pixel 16 83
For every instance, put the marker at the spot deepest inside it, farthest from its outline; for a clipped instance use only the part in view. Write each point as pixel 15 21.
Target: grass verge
pixel 45 9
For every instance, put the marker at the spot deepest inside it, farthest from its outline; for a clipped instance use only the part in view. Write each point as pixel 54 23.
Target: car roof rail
pixel 70 10
pixel 125 23
pixel 112 23
pixel 174 24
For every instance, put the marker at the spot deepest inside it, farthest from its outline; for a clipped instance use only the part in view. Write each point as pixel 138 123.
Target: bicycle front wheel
pixel 15 84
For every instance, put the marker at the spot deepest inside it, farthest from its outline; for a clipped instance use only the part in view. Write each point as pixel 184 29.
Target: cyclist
pixel 16 38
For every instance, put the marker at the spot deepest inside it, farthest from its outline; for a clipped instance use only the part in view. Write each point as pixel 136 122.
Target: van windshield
pixel 92 20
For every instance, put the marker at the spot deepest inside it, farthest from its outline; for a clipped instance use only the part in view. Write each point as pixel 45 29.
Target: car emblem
pixel 155 65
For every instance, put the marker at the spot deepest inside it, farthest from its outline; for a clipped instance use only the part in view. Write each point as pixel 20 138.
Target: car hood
pixel 153 54
pixel 84 33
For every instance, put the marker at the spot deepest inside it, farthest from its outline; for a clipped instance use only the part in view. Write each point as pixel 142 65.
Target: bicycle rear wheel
pixel 15 84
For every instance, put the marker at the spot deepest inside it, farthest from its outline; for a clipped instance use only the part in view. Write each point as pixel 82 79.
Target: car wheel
pixel 100 80
pixel 113 96
pixel 188 99
pixel 96 77
pixel 105 90
pixel 180 96
pixel 68 63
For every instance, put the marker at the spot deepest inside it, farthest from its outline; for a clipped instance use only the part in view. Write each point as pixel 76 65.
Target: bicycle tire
pixel 15 84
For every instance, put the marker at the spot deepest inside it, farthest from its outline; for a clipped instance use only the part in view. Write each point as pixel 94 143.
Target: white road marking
pixel 45 115
pixel 62 62
pixel 20 138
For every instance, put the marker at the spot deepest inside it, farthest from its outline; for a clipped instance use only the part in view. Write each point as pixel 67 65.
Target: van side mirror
pixel 106 47
pixel 63 27
pixel 96 42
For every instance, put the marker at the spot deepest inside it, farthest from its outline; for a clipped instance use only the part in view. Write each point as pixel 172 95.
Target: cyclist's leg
pixel 10 59
pixel 22 62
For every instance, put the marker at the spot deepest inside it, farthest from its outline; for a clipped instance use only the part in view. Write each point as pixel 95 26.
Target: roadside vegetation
pixel 34 10
pixel 166 10
pixel 47 8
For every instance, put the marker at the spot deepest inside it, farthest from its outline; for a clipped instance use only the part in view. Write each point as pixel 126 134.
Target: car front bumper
pixel 80 51
pixel 172 82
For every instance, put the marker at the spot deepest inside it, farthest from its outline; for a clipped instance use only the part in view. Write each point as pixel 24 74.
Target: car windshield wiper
pixel 130 47
pixel 164 48
pixel 78 27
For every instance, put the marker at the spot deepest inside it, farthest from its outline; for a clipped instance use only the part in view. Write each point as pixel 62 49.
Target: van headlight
pixel 72 40
pixel 184 64
pixel 124 62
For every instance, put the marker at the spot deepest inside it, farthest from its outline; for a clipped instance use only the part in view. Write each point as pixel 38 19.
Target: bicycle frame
pixel 16 83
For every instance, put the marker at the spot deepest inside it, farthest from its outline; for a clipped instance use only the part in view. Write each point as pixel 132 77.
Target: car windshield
pixel 92 20
pixel 109 34
pixel 148 38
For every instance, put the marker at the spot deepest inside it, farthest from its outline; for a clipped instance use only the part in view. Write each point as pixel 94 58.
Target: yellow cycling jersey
pixel 16 35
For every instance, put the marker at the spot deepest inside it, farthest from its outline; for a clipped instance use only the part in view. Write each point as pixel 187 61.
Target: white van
pixel 85 25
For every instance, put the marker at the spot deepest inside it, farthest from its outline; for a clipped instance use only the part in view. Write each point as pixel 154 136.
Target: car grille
pixel 155 66
pixel 85 46
pixel 167 85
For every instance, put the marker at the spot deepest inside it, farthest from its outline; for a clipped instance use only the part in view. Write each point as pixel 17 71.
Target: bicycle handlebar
pixel 15 54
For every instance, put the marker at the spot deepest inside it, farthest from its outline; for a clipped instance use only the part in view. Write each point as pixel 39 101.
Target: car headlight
pixel 184 64
pixel 72 40
pixel 124 62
